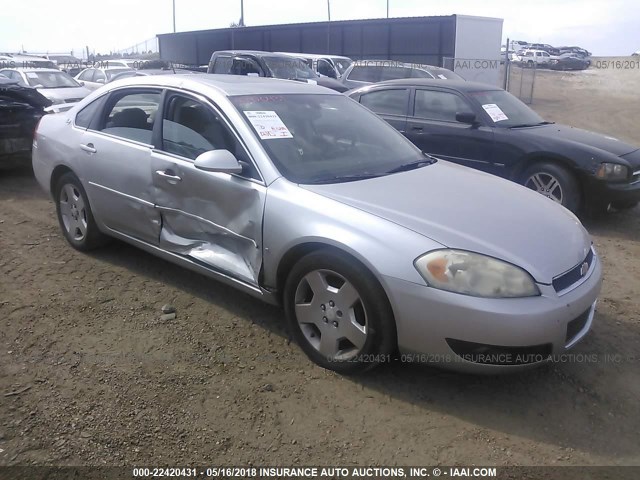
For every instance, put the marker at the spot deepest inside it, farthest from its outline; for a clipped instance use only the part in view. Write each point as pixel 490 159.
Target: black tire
pixel 625 205
pixel 567 183
pixel 92 237
pixel 372 303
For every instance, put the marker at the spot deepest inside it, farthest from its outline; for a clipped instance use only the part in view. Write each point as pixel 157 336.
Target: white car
pixel 94 78
pixel 57 86
pixel 537 57
pixel 635 54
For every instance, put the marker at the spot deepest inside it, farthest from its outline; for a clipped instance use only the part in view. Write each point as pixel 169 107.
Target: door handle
pixel 168 174
pixel 416 129
pixel 88 148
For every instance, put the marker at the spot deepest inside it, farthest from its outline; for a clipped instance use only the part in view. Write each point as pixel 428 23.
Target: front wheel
pixel 338 313
pixel 554 182
pixel 74 214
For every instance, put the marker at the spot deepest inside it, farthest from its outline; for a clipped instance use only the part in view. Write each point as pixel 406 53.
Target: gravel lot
pixel 90 375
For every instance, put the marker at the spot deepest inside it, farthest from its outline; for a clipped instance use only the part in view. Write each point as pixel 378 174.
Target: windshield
pixel 506 110
pixel 51 80
pixel 290 68
pixel 341 64
pixel 324 138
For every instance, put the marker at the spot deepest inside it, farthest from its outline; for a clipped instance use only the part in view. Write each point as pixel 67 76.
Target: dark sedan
pixel 486 128
pixel 569 62
pixel 21 108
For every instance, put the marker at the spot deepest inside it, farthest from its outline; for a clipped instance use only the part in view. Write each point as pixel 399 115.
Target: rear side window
pixel 365 74
pixel 390 102
pixel 222 65
pixel 132 115
pixel 437 105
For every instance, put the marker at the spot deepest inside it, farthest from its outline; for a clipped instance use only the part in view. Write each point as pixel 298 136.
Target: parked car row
pixel 215 173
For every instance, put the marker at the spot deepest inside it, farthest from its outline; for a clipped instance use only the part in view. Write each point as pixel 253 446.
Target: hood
pixel 29 95
pixel 60 95
pixel 470 210
pixel 577 135
pixel 332 83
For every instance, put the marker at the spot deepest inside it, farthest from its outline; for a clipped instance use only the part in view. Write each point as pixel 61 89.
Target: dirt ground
pixel 110 384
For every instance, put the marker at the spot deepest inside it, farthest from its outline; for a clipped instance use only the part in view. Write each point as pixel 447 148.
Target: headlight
pixel 474 274
pixel 612 171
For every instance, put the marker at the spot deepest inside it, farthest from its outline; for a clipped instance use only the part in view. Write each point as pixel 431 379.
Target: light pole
pixel 387 8
pixel 328 25
pixel 174 16
pixel 242 13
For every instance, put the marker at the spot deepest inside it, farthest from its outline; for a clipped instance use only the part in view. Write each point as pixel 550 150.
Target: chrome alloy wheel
pixel 331 315
pixel 73 212
pixel 547 185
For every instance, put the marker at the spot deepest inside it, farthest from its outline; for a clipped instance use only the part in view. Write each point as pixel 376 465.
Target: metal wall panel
pixel 418 39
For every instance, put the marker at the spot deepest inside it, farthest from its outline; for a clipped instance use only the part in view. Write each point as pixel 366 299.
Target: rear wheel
pixel 338 313
pixel 554 182
pixel 75 216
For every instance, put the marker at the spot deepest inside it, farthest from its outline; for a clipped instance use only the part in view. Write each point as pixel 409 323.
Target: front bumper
pixel 428 319
pixel 601 192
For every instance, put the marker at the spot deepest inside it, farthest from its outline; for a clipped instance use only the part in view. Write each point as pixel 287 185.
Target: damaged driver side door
pixel 213 218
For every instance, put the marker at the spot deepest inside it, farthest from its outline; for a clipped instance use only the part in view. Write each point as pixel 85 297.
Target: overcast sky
pixel 603 27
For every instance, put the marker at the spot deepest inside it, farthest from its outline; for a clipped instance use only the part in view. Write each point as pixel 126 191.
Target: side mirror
pixel 466 117
pixel 220 161
pixel 81 83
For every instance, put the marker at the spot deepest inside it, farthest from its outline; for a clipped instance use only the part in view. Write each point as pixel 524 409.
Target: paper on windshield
pixel 268 125
pixel 441 76
pixel 494 111
pixel 31 75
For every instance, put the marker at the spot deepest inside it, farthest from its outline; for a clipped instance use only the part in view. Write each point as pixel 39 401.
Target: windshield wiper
pixel 522 125
pixel 413 165
pixel 344 178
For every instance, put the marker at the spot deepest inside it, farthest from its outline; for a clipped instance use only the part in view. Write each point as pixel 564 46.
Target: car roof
pixel 459 85
pixel 228 85
pixel 397 63
pixel 313 55
pixel 257 53
pixel 34 69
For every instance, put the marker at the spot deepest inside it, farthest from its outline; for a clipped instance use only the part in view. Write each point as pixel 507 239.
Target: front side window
pixel 314 138
pixel 516 112
pixel 390 102
pixel 190 128
pixel 437 105
pixel 222 65
pixel 132 115
pixel 325 68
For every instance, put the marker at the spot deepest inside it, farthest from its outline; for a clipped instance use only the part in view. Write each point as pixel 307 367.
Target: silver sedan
pixel 299 196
